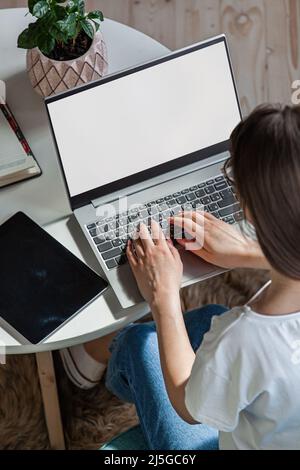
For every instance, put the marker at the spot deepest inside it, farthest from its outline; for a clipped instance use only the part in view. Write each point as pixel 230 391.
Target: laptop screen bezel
pixel 85 198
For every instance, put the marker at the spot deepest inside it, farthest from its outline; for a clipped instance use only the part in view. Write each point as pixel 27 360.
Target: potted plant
pixel 65 46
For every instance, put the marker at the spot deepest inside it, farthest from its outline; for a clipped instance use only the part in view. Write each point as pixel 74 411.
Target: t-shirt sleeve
pixel 217 390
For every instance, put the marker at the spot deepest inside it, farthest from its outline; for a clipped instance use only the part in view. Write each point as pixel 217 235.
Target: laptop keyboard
pixel 111 234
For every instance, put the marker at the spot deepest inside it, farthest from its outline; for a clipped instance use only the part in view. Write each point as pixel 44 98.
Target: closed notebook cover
pixel 43 284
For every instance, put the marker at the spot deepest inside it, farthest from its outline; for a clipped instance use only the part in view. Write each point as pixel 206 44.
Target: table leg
pixel 50 399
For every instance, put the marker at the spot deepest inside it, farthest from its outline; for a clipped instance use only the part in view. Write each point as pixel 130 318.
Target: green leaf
pixel 81 6
pixel 57 34
pixel 40 8
pixel 26 40
pixel 95 15
pixel 87 28
pixel 96 25
pixel 61 26
pixel 46 21
pixel 71 7
pixel 34 28
pixel 46 44
pixel 60 12
pixel 75 6
pixel 31 4
pixel 68 25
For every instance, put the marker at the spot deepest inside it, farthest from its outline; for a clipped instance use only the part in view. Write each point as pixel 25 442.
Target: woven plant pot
pixel 49 76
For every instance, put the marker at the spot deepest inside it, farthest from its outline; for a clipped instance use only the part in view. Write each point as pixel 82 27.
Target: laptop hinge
pixel 154 182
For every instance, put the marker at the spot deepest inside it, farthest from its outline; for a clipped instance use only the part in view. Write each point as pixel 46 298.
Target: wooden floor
pixel 264 36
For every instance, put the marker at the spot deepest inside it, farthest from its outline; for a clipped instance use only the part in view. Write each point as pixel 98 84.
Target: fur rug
pixel 94 417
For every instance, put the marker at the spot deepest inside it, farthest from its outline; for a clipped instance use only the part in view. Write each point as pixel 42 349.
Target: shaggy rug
pixel 94 417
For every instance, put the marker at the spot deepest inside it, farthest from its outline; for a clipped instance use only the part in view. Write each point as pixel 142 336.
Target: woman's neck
pixel 282 297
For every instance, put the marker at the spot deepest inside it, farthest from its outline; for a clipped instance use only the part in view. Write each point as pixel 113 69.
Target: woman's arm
pixel 157 267
pixel 176 354
pixel 219 243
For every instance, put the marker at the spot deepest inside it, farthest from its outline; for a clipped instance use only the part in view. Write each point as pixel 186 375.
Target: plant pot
pixel 49 76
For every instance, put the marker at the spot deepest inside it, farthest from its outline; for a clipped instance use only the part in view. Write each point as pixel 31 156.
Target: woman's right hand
pixel 219 243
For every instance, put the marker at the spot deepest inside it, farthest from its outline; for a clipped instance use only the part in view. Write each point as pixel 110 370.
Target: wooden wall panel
pixel 283 48
pixel 157 18
pixel 195 20
pixel 264 36
pixel 243 21
pixel 119 10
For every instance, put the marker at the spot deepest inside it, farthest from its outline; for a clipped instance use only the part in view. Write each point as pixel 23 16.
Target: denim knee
pixel 133 350
pixel 140 340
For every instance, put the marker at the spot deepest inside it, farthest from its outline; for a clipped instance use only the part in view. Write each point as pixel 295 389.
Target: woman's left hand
pixel 156 264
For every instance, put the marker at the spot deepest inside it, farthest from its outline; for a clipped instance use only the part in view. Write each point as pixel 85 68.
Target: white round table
pixel 45 199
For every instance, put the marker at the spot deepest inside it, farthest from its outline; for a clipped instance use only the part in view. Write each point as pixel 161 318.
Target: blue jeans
pixel 134 375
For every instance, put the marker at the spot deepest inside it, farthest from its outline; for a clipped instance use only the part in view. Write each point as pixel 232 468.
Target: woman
pixel 233 371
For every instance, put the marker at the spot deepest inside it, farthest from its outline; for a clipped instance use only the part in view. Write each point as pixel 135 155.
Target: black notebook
pixel 42 284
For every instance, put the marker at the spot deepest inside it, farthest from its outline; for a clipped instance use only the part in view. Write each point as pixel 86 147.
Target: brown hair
pixel 265 163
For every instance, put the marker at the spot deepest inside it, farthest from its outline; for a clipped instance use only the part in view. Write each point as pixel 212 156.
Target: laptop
pixel 147 143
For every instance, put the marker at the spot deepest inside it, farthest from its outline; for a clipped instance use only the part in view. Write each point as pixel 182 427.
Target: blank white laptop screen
pixel 145 119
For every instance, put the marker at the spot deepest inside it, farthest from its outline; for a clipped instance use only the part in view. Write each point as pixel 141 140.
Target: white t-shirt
pixel 245 380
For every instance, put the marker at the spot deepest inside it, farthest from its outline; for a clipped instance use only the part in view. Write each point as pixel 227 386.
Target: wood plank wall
pixel 264 36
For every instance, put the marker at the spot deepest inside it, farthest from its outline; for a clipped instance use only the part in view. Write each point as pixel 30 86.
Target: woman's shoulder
pixel 234 319
pixel 242 329
pixel 234 330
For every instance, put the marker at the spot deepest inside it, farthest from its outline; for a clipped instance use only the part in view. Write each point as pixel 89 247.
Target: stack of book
pixel 17 162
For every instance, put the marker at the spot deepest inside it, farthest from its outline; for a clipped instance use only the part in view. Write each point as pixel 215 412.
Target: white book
pixel 15 163
pixel 13 157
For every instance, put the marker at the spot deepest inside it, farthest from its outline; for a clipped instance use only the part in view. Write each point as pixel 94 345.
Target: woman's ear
pixel 248 215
